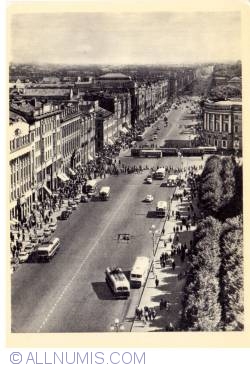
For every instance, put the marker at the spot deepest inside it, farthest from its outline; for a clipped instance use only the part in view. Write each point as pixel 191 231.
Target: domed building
pixel 115 80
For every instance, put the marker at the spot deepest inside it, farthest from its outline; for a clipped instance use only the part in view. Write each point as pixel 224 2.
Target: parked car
pixel 47 231
pixel 77 199
pixel 84 198
pixel 64 214
pixel 149 198
pixel 74 205
pixel 53 226
pixel 29 248
pixel 23 256
pixel 69 209
pixel 70 202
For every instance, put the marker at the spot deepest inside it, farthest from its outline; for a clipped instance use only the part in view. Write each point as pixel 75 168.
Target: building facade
pixel 71 121
pixel 21 167
pixel 222 124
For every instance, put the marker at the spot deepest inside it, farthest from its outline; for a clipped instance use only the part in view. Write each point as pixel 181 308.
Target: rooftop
pixel 115 76
pixel 47 92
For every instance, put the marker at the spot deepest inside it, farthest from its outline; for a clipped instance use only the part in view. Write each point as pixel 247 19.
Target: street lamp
pixel 153 231
pixel 117 326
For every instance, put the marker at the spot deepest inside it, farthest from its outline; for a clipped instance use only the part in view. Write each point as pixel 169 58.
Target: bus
pixel 117 281
pixel 172 180
pixel 151 153
pixel 139 272
pixel 161 209
pixel 198 151
pixel 160 173
pixel 91 187
pixel 104 193
pixel 46 251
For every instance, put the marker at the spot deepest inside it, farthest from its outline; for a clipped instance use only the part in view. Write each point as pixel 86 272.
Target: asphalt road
pixel 69 294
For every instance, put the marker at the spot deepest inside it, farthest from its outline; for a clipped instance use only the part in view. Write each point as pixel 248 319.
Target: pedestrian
pixel 163 231
pixel 156 281
pixel 153 313
pixel 174 229
pixel 173 264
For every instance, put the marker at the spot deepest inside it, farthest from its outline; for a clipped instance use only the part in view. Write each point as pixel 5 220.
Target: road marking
pixel 83 262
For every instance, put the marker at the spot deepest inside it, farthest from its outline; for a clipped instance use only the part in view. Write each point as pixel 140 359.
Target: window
pixel 216 142
pixel 226 127
pixel 236 128
pixel 224 144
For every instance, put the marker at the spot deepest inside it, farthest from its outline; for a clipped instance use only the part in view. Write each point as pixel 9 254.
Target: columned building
pixel 222 124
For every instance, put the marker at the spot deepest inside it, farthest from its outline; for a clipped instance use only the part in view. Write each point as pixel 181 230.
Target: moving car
pixel 149 180
pixel 149 198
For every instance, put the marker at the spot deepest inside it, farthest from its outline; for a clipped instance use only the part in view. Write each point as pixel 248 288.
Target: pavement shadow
pixel 102 291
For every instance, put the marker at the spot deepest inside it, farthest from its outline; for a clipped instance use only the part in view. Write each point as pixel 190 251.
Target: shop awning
pixel 71 171
pixel 110 141
pixel 47 190
pixel 63 177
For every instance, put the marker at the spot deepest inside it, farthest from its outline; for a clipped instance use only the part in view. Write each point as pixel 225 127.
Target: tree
pixel 201 307
pixel 231 274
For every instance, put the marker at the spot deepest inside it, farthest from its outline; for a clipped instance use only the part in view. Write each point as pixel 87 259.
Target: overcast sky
pixel 126 38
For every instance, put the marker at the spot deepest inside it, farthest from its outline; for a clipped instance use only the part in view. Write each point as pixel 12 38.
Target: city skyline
pixel 125 38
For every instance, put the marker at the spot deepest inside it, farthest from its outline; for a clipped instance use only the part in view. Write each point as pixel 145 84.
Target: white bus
pixel 139 272
pixel 47 251
pixel 104 193
pixel 117 282
pixel 161 208
pixel 91 187
pixel 172 180
pixel 160 173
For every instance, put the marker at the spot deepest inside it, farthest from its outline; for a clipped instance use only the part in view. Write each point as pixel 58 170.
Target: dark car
pixel 64 214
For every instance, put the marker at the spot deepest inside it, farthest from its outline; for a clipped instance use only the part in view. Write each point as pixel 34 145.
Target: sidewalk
pixel 170 286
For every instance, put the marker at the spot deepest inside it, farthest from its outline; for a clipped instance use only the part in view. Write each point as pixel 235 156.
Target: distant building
pixel 50 94
pixel 222 125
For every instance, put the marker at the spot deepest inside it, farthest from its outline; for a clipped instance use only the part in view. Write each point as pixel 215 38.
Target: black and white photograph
pixel 125 172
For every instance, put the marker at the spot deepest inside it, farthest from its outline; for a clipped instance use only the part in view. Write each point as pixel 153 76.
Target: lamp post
pixel 153 231
pixel 117 326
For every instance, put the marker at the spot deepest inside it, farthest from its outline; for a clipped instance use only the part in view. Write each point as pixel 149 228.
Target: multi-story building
pixel 44 118
pixel 88 133
pixel 222 124
pixel 21 167
pixel 105 128
pixel 71 121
